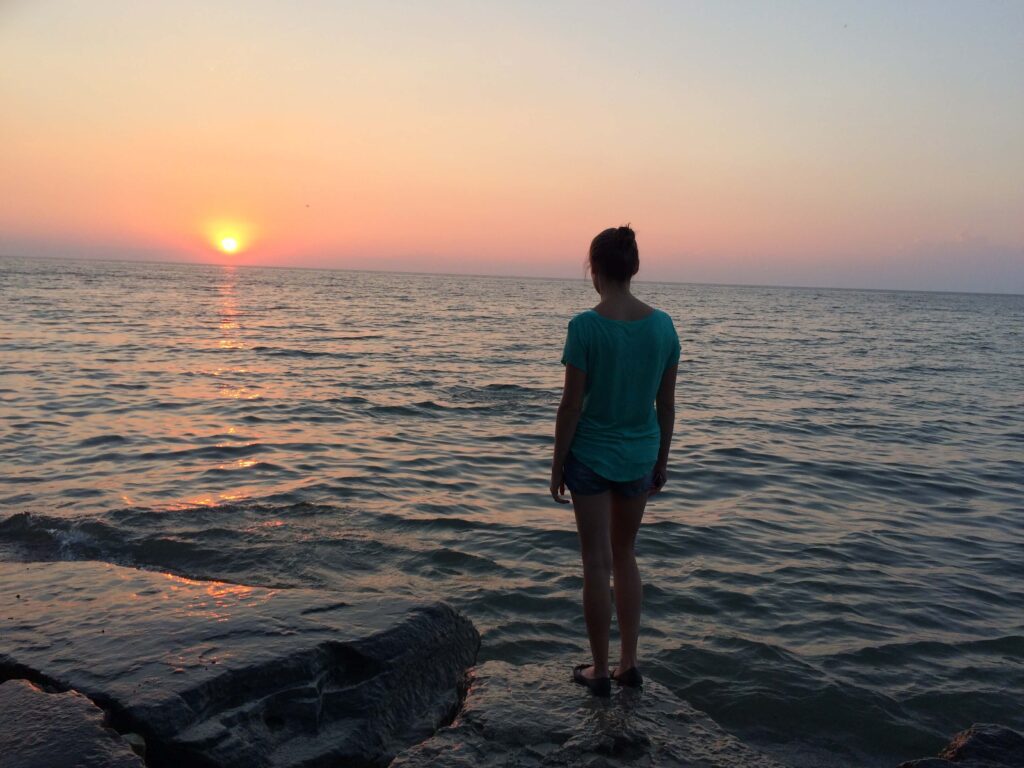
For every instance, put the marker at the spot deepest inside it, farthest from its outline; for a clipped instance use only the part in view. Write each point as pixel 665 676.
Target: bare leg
pixel 626 515
pixel 592 516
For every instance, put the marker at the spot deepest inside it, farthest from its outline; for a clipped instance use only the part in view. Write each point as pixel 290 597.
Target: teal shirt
pixel 618 435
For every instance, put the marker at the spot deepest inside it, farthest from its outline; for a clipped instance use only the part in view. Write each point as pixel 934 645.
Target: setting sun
pixel 229 235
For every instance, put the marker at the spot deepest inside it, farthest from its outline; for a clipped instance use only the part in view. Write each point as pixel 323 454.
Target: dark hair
pixel 614 255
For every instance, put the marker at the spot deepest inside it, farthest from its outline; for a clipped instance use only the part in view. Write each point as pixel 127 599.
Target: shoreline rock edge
pixel 534 715
pixel 217 675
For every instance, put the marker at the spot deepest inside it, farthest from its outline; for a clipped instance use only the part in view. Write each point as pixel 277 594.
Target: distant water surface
pixel 835 571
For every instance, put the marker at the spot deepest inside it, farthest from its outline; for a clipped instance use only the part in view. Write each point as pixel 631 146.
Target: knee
pixel 597 564
pixel 623 556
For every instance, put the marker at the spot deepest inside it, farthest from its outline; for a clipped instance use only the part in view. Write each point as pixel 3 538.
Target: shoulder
pixel 579 330
pixel 582 318
pixel 663 317
pixel 665 324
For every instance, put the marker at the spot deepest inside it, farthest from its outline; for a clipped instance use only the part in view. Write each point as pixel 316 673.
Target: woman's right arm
pixel 569 411
pixel 665 405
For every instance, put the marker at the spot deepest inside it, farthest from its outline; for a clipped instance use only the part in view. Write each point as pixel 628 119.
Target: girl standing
pixel 612 437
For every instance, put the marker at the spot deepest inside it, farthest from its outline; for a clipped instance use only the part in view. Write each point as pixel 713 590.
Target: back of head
pixel 614 255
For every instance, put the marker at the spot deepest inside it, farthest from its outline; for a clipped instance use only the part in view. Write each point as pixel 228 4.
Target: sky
pixel 850 144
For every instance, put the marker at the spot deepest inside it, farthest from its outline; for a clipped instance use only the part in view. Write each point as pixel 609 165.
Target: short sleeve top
pixel 618 435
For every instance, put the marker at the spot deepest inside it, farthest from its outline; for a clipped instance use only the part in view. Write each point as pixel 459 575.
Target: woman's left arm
pixel 568 417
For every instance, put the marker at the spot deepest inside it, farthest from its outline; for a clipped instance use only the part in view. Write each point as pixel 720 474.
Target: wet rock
pixel 57 730
pixel 136 742
pixel 216 674
pixel 983 745
pixel 536 716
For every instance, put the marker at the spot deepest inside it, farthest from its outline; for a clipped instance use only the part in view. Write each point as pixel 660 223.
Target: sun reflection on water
pixel 239 464
pixel 215 600
pixel 226 385
pixel 207 500
pixel 228 310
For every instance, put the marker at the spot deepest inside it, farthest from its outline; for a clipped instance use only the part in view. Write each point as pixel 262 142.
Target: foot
pixel 586 675
pixel 590 673
pixel 629 677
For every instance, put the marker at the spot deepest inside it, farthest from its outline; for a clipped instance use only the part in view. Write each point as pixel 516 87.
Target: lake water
pixel 835 571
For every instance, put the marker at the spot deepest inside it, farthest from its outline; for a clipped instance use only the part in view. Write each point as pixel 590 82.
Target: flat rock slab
pixel 57 730
pixel 217 674
pixel 983 745
pixel 534 715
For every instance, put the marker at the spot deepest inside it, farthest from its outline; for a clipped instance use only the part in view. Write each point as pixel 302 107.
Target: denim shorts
pixel 582 480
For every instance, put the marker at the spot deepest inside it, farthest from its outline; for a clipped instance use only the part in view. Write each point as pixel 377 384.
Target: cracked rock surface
pixel 534 715
pixel 57 730
pixel 225 675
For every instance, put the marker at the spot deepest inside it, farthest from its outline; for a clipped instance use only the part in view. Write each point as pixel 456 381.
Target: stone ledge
pixel 534 715
pixel 224 675
pixel 57 730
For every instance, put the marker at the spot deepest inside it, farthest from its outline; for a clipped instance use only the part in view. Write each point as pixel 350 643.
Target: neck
pixel 611 289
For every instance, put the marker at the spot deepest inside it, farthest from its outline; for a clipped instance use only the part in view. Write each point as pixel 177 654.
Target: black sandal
pixel 631 678
pixel 599 686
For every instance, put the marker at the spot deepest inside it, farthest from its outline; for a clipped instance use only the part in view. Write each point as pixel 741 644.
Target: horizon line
pixel 506 276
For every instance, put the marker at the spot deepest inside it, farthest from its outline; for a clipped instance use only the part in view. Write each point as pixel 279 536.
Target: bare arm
pixel 665 405
pixel 569 410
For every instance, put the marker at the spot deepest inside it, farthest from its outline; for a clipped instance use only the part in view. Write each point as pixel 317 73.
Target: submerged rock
pixel 983 745
pixel 536 716
pixel 216 674
pixel 57 730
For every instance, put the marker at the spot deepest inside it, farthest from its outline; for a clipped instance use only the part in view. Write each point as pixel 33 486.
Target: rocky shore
pixel 57 730
pixel 226 676
pixel 535 715
pixel 113 667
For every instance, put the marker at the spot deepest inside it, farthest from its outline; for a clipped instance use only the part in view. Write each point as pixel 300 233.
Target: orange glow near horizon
pixel 230 237
pixel 414 147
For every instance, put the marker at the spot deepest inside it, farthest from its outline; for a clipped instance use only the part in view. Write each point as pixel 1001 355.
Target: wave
pixel 291 545
pixel 187 544
pixel 755 688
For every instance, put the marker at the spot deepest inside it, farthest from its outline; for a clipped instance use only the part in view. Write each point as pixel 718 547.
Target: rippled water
pixel 835 571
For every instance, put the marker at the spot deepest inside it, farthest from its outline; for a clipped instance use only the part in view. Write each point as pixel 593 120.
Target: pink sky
pixel 858 145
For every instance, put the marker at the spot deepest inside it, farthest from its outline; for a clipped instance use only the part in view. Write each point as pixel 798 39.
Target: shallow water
pixel 834 572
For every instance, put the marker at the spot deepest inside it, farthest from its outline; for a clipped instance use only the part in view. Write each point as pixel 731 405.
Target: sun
pixel 228 236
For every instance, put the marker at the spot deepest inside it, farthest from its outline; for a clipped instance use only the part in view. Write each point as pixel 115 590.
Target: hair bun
pixel 614 254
